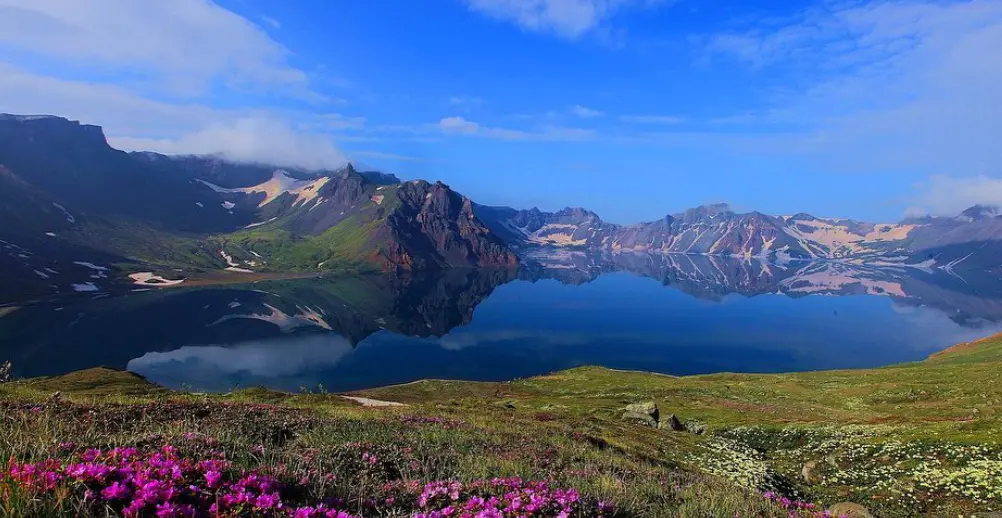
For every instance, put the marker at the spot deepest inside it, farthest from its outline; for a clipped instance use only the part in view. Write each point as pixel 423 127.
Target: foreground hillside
pixel 908 440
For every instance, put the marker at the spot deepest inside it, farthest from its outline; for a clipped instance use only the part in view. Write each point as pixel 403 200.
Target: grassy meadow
pixel 919 439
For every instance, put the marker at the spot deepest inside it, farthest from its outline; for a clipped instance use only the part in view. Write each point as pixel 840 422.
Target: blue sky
pixel 632 108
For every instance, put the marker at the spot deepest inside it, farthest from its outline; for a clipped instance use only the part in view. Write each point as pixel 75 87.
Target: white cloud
pixel 885 86
pixel 458 125
pixel 566 18
pixel 584 112
pixel 262 140
pixel 948 196
pixel 117 108
pixel 652 119
pixel 271 21
pixel 150 72
pixel 184 45
pixel 137 123
pixel 461 126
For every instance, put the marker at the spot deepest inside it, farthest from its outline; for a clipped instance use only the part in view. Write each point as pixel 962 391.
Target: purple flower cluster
pixel 797 509
pixel 512 497
pixel 162 484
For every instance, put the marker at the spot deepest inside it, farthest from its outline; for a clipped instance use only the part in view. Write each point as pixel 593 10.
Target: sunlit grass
pixel 904 440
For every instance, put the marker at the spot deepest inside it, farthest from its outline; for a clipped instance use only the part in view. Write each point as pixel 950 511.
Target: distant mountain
pixel 979 213
pixel 972 240
pixel 69 199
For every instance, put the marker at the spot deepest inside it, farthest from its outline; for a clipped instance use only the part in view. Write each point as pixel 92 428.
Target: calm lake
pixel 670 314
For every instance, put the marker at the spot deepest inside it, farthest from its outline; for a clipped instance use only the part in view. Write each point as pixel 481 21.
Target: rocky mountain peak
pixel 50 128
pixel 980 212
pixel 704 212
pixel 577 213
pixel 348 170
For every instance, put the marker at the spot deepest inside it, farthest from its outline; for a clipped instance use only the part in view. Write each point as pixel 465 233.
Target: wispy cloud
pixel 741 118
pixel 153 70
pixel 945 195
pixel 271 21
pixel 913 85
pixel 652 119
pixel 566 18
pixel 262 140
pixel 183 45
pixel 584 112
pixel 462 126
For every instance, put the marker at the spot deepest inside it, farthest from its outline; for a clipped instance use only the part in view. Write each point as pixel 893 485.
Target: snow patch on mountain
pixel 149 279
pixel 100 272
pixel 233 265
pixel 280 183
pixel 258 224
pixel 69 217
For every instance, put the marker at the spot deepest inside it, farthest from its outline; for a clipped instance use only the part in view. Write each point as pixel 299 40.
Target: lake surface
pixel 670 314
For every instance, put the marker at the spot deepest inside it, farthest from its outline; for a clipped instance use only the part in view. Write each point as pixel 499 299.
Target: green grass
pixel 343 248
pixel 919 439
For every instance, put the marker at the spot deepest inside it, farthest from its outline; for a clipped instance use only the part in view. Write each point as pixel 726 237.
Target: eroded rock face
pixel 435 225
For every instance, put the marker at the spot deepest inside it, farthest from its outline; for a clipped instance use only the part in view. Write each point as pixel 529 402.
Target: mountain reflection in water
pixel 667 313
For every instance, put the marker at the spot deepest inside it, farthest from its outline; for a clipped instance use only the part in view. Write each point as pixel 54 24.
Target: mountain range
pixel 78 215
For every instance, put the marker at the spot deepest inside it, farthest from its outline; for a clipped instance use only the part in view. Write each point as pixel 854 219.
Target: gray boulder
pixel 643 413
pixel 672 423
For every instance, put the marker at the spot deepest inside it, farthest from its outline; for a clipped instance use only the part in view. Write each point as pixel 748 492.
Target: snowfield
pixel 279 184
pixel 148 279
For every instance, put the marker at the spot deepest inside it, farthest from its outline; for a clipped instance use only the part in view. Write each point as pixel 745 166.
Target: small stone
pixel 832 458
pixel 850 510
pixel 808 472
pixel 672 423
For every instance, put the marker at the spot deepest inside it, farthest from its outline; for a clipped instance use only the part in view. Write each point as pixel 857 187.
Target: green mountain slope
pixel 61 184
